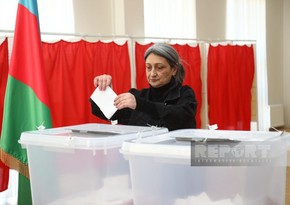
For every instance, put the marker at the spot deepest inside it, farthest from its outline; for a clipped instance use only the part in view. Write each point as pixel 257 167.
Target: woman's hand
pixel 103 81
pixel 125 100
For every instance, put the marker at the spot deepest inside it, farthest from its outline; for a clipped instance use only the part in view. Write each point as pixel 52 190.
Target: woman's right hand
pixel 102 81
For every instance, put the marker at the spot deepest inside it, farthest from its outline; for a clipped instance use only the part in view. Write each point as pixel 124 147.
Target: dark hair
pixel 170 54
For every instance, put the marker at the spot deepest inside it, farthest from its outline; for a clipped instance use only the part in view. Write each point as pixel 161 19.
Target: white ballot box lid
pixel 178 144
pixel 87 136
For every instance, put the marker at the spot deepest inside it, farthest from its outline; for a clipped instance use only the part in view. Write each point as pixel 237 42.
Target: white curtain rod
pixel 134 37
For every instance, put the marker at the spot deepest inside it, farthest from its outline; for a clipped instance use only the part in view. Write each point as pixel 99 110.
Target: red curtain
pixel 4 170
pixel 229 80
pixel 191 61
pixel 70 69
pixel 141 79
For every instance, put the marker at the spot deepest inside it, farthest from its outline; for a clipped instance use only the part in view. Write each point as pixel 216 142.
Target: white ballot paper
pixel 105 101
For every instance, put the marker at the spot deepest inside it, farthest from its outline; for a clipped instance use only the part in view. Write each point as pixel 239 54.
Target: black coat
pixel 173 106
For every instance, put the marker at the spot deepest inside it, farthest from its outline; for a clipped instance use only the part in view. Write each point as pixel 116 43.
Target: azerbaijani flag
pixel 26 104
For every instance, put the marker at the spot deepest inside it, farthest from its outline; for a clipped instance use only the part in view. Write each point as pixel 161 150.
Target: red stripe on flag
pixel 4 170
pixel 28 67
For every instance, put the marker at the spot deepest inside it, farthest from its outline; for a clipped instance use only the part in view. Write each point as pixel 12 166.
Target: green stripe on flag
pixel 24 191
pixel 23 112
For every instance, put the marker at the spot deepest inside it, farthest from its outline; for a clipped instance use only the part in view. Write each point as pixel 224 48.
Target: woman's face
pixel 158 71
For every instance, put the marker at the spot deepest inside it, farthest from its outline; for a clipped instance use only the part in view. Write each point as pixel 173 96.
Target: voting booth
pixel 81 164
pixel 208 167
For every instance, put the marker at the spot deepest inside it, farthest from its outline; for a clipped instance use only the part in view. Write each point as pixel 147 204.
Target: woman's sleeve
pixel 174 114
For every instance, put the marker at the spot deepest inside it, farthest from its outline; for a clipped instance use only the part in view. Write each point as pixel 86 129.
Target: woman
pixel 166 103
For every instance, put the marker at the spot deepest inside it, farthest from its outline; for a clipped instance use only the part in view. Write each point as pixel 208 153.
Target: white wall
pixel 274 39
pixel 109 17
pixel 134 17
pixel 286 61
pixel 211 19
pixel 93 17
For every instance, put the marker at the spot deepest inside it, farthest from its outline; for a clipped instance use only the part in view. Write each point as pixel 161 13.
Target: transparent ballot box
pixel 195 166
pixel 81 164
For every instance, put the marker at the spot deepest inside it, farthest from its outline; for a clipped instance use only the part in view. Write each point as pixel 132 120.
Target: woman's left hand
pixel 125 100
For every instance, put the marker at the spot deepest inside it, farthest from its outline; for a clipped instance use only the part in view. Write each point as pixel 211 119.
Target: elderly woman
pixel 166 103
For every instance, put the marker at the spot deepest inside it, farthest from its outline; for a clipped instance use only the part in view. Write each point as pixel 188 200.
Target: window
pixel 49 12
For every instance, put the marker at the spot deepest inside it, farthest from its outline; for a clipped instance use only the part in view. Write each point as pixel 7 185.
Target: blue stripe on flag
pixel 31 5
